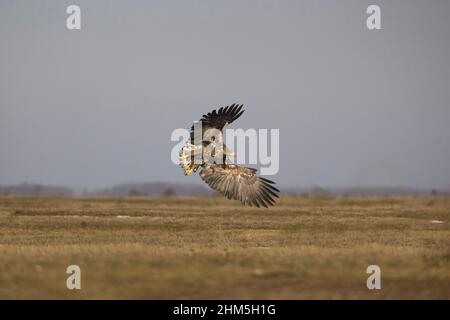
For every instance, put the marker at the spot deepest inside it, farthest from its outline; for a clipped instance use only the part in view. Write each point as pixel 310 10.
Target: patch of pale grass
pixel 208 247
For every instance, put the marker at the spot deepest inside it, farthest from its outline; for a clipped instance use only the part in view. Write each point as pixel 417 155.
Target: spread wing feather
pixel 240 183
pixel 217 119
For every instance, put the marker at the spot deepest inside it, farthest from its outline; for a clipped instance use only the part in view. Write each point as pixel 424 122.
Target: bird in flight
pixel 233 181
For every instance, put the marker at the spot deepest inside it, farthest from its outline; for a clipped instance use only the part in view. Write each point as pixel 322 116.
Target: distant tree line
pixel 26 189
pixel 172 189
pixel 153 189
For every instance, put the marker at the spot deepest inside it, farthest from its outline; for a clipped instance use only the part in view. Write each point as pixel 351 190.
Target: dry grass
pixel 182 247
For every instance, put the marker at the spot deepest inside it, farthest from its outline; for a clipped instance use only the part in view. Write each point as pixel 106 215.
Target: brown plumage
pixel 240 183
pixel 233 181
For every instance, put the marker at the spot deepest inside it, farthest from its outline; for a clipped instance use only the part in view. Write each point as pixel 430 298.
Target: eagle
pixel 233 181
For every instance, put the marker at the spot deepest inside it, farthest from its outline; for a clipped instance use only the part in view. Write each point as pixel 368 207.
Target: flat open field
pixel 186 247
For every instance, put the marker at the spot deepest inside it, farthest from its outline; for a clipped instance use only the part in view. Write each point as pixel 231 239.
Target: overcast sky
pixel 96 107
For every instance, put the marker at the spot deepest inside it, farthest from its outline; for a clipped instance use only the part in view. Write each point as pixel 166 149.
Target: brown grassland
pixel 210 247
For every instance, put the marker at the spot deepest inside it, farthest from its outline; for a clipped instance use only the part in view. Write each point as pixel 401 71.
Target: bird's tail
pixel 187 157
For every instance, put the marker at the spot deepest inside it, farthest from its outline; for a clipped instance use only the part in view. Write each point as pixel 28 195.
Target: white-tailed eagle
pixel 233 181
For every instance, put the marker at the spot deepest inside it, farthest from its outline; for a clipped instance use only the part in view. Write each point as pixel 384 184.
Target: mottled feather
pixel 240 183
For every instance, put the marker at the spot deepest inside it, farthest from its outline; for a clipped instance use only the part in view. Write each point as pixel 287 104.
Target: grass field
pixel 186 247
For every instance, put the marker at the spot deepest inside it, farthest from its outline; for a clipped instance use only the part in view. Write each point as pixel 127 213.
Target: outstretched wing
pixel 240 183
pixel 217 119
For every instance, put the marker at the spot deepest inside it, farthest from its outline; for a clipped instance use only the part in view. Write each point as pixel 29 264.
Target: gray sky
pixel 96 107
